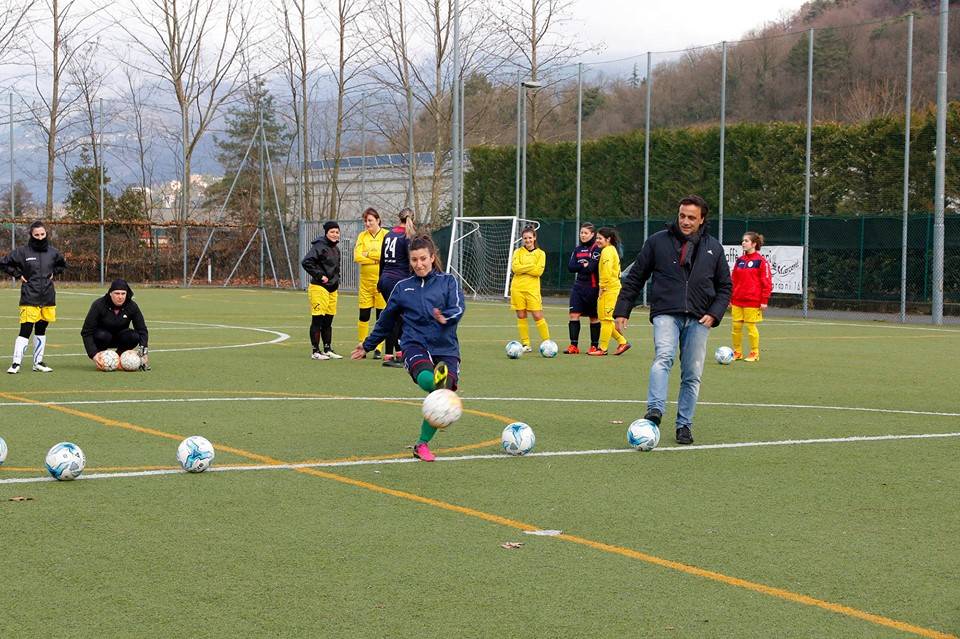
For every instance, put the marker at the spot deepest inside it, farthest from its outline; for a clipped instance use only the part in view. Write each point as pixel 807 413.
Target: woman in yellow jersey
pixel 366 253
pixel 527 265
pixel 609 275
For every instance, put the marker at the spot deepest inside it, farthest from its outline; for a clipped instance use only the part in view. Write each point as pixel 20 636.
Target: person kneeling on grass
pixel 430 303
pixel 108 324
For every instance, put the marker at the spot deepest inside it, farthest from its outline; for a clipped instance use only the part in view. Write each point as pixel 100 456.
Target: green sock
pixel 425 381
pixel 426 432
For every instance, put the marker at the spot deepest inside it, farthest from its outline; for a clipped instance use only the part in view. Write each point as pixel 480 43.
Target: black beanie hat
pixel 331 224
pixel 120 284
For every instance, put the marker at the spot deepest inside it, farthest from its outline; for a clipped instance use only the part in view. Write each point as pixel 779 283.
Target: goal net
pixel 480 252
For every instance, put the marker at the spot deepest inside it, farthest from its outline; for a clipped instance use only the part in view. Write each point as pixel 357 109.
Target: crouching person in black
pixel 108 324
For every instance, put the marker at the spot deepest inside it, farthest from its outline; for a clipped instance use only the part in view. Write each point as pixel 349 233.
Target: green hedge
pixel 856 168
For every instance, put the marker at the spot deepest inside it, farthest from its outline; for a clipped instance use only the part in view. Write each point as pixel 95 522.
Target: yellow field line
pixel 770 591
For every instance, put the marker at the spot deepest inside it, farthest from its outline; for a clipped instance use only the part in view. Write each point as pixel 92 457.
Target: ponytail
pixel 756 238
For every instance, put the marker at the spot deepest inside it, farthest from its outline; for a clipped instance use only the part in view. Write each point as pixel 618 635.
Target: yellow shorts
pixel 368 295
pixel 33 314
pixel 746 314
pixel 525 301
pixel 322 301
pixel 606 302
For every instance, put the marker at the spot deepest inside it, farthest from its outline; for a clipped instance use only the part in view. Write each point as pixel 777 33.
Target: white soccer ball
pixel 442 407
pixel 548 348
pixel 195 454
pixel 108 361
pixel 517 439
pixel 3 450
pixel 724 355
pixel 65 461
pixel 643 435
pixel 514 349
pixel 130 361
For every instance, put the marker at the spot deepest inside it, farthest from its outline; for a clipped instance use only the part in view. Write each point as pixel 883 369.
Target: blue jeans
pixel 669 331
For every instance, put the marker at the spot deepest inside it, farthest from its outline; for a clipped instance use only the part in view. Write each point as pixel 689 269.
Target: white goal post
pixel 480 252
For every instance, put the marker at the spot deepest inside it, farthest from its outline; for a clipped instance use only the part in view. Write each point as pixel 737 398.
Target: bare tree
pixel 350 61
pixel 137 94
pixel 295 64
pixel 67 36
pixel 196 46
pixel 14 17
pixel 533 28
pixel 391 46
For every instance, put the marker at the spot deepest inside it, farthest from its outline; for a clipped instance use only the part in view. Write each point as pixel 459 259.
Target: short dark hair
pixel 696 200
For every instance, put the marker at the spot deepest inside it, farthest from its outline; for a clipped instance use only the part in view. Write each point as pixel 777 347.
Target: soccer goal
pixel 480 252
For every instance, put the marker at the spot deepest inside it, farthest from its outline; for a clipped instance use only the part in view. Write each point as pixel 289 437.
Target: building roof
pixel 387 160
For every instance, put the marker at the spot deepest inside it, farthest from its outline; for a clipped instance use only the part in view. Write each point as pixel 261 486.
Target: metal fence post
pixel 579 141
pixel 938 197
pixel 723 131
pixel 646 163
pixel 906 171
pixel 102 189
pixel 806 178
pixel 13 191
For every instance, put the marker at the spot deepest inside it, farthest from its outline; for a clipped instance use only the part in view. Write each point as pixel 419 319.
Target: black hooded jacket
pixel 323 258
pixel 104 316
pixel 698 286
pixel 37 262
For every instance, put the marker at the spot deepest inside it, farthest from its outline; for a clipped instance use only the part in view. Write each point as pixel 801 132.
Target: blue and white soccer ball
pixel 65 461
pixel 514 349
pixel 195 454
pixel 548 348
pixel 3 450
pixel 724 355
pixel 643 434
pixel 517 439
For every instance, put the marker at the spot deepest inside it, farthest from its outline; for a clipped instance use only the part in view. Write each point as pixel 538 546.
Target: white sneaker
pixel 318 355
pixel 332 355
pixel 527 349
pixel 42 368
pixel 14 369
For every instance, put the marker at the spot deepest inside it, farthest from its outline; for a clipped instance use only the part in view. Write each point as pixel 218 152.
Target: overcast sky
pixel 628 27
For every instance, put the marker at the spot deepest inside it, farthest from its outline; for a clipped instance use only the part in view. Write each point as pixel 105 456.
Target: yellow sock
pixel 737 335
pixel 363 329
pixel 606 330
pixel 524 331
pixel 754 336
pixel 543 329
pixel 618 336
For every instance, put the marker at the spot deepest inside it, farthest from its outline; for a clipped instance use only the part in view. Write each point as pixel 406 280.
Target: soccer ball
pixel 195 454
pixel 130 361
pixel 65 461
pixel 108 361
pixel 442 407
pixel 548 348
pixel 517 439
pixel 514 349
pixel 724 355
pixel 643 435
pixel 3 450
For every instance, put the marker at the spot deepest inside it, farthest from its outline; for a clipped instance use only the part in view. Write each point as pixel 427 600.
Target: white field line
pixel 280 337
pixel 463 458
pixel 565 400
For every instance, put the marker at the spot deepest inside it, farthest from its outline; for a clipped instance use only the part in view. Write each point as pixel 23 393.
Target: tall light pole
pixel 525 84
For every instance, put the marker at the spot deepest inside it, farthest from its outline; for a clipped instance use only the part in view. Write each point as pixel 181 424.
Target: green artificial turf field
pixel 853 535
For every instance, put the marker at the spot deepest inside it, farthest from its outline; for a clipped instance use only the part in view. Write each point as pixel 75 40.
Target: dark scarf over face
pixel 688 243
pixel 39 245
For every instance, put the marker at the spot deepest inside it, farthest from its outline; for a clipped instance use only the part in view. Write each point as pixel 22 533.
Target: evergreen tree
pixel 241 127
pixel 82 201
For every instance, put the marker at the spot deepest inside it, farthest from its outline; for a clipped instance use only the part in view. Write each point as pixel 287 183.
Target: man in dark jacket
pixel 34 265
pixel 689 293
pixel 322 263
pixel 108 322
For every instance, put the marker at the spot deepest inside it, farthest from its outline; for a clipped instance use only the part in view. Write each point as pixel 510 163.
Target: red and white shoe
pixel 422 452
pixel 596 352
pixel 572 350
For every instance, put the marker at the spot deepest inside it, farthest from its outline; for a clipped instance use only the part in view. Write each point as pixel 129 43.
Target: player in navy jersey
pixel 431 305
pixel 583 295
pixel 395 266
